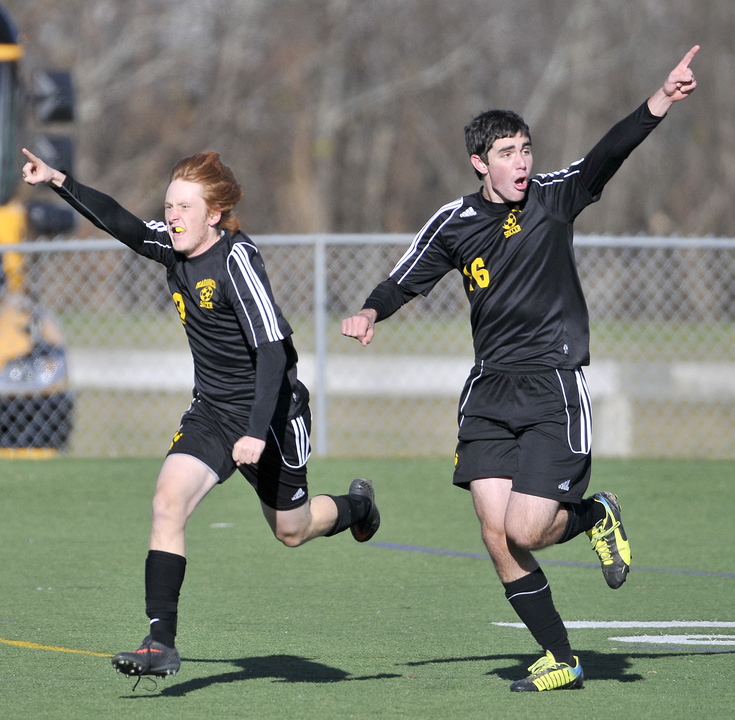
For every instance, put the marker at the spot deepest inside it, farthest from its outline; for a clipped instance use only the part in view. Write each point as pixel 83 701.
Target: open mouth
pixel 177 229
pixel 521 183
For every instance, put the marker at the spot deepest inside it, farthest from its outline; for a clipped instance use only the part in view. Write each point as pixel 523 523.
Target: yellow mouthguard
pixel 177 229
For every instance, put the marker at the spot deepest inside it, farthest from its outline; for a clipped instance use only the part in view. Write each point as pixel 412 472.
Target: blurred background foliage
pixel 348 115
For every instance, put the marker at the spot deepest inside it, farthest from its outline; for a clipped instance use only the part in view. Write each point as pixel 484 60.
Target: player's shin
pixel 531 598
pixel 164 576
pixel 350 510
pixel 581 517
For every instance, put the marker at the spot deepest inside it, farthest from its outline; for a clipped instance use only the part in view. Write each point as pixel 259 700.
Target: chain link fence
pixel 663 337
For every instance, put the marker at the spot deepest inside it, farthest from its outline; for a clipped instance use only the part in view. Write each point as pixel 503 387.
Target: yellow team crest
pixel 206 293
pixel 511 226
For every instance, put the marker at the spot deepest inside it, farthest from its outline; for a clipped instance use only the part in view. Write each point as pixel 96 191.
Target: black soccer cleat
pixel 151 658
pixel 365 529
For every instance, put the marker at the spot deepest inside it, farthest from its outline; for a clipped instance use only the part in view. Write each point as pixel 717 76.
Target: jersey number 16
pixel 478 273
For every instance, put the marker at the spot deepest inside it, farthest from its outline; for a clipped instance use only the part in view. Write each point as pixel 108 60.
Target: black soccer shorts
pixel 279 477
pixel 535 428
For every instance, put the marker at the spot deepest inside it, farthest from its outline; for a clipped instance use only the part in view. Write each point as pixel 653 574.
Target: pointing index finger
pixel 689 56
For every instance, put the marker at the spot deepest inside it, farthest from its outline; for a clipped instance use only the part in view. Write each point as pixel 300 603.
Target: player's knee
pixel 162 506
pixel 524 537
pixel 290 537
pixel 167 510
pixel 523 541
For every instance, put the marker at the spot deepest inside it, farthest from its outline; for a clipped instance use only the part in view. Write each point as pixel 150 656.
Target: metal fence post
pixel 321 424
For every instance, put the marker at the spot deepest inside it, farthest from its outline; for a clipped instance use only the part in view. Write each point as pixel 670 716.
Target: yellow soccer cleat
pixel 548 674
pixel 610 542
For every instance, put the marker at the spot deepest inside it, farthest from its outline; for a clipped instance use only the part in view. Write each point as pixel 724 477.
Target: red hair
pixel 220 189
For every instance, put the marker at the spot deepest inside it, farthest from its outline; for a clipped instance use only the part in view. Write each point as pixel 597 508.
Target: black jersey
pixel 244 358
pixel 527 308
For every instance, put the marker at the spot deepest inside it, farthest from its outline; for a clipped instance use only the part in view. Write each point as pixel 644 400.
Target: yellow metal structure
pixel 13 228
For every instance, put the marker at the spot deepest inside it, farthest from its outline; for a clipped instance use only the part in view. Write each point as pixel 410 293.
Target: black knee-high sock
pixel 350 510
pixel 582 516
pixel 531 598
pixel 164 575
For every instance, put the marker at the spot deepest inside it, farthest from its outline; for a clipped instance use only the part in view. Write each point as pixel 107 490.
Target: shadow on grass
pixel 596 665
pixel 280 668
pixel 294 669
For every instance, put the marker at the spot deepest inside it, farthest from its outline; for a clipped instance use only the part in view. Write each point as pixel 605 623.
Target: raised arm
pixel 100 209
pixel 604 159
pixel 679 85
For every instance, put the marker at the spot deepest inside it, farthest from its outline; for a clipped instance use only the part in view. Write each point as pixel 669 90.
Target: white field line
pixel 710 640
pixel 621 624
pixel 678 639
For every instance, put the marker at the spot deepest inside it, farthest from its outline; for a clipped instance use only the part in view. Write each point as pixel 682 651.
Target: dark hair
pixel 488 127
pixel 220 189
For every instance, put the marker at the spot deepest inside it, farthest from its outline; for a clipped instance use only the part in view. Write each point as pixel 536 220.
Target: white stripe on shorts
pixel 301 441
pixel 585 415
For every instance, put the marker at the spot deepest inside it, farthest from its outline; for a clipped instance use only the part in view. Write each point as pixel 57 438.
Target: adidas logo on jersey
pixel 469 212
pixel 299 494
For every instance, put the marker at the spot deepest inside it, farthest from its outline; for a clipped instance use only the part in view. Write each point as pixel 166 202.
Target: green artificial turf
pixel 402 627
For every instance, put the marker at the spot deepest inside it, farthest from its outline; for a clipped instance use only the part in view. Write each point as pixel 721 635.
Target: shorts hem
pixel 295 506
pixel 465 483
pixel 558 497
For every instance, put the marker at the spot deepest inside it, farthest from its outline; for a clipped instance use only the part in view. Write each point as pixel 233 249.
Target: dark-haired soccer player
pixel 250 412
pixel 524 413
